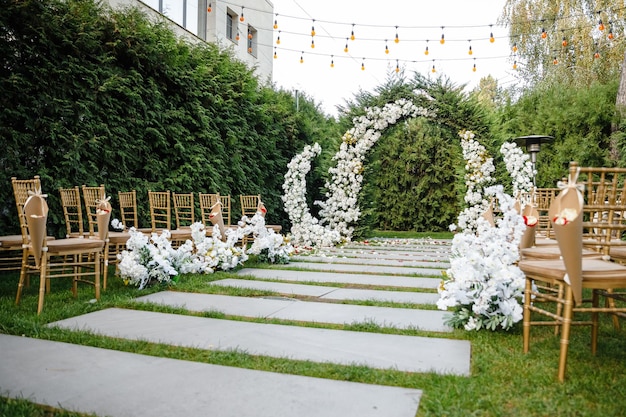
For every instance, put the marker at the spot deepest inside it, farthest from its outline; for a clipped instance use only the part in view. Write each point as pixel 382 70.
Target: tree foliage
pixel 95 96
pixel 574 50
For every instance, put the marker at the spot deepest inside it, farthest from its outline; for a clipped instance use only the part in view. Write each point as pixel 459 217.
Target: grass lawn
pixel 504 381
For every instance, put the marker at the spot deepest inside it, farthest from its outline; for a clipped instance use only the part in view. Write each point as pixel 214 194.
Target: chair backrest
pixel 91 197
pixel 605 205
pixel 209 200
pixel 21 189
pixel 128 208
pixel 184 209
pixel 249 204
pixel 542 198
pixel 72 211
pixel 160 210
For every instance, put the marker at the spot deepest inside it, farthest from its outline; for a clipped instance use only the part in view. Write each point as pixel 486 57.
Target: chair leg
pixel 565 330
pixel 559 308
pixel 97 275
pixel 594 322
pixel 23 275
pixel 610 302
pixel 43 269
pixel 526 319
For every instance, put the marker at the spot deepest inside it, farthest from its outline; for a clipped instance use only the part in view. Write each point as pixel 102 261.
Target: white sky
pixel 465 22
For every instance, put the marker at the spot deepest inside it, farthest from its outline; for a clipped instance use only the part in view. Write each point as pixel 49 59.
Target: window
pixel 252 41
pixel 231 25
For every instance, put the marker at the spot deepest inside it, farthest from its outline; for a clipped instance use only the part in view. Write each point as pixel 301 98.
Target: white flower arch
pixel 340 210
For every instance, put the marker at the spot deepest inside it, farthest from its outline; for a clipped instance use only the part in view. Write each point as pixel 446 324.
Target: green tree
pixel 562 41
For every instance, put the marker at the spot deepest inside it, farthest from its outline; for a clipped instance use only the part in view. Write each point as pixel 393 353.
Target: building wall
pixel 194 23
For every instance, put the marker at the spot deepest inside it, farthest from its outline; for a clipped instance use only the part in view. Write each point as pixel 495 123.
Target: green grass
pixel 410 235
pixel 503 381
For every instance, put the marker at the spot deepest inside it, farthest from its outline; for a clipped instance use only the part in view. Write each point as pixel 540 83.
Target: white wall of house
pixel 191 20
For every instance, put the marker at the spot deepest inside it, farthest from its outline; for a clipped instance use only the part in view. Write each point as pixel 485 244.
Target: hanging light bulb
pixel 278 38
pixel 313 28
pixel 397 39
pixel 564 42
pixel 514 48
pixel 397 66
pixel 312 44
pixel 555 61
pixel 352 33
pixel 474 69
pixel 596 55
pixel 363 65
pixel 302 58
pixel 346 48
pixel 491 38
pixel 249 35
pixel 332 61
pixel 241 18
pixel 600 25
pixel 208 9
pixel 426 50
pixel 544 34
pixel 433 70
pixel 442 41
pixel 276 22
pixel 386 47
pixel 470 52
pixel 275 56
pixel 237 37
pixel 249 49
pixel 610 36
pixel 514 65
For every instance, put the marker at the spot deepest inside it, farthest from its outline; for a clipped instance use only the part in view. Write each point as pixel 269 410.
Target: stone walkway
pixel 202 389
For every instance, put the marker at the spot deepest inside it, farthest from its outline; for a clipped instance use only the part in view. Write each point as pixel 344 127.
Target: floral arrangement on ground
pixel 152 259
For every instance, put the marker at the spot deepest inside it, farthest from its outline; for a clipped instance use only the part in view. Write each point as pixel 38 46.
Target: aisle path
pixel 121 384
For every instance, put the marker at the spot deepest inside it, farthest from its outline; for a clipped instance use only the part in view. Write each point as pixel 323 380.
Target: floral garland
pixel 340 209
pixel 305 229
pixel 152 260
pixel 478 167
pixel 483 283
pixel 519 167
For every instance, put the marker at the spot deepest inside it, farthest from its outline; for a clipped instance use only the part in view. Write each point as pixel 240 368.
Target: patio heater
pixel 533 145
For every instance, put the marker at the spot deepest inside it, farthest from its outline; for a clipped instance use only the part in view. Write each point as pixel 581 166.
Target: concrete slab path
pixel 360 267
pixel 120 384
pixel 384 351
pixel 331 293
pixel 372 261
pixel 342 278
pixel 306 311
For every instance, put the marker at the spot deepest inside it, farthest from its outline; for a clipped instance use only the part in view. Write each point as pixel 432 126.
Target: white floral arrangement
pixel 478 170
pixel 151 260
pixel 340 210
pixel 117 225
pixel 484 284
pixel 519 167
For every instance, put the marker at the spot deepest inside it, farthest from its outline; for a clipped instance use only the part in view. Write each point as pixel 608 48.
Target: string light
pixel 491 38
pixel 555 61
pixel 610 36
pixel 544 34
pixel 313 28
pixel 346 48
pixel 426 50
pixel 275 56
pixel 514 65
pixel 442 41
pixel 474 68
pixel 564 42
pixel 312 44
pixel 600 24
pixel 249 34
pixel 514 48
pixel 241 18
pixel 276 22
pixel 237 37
pixel 470 52
pixel 278 38
pixel 386 47
pixel 208 9
pixel 433 70
pixel 397 66
pixel 352 33
pixel 363 65
pixel 302 57
pixel 332 61
pixel 397 39
pixel 596 55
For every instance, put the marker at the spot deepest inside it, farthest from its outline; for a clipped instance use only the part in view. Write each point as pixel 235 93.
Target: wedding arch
pixel 340 210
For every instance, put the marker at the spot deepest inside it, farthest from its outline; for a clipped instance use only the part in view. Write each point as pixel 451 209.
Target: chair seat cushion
pixel 552 252
pixel 12 242
pixel 118 237
pixel 69 245
pixel 595 271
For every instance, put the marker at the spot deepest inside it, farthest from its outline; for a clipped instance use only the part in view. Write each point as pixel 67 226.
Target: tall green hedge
pixel 91 95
